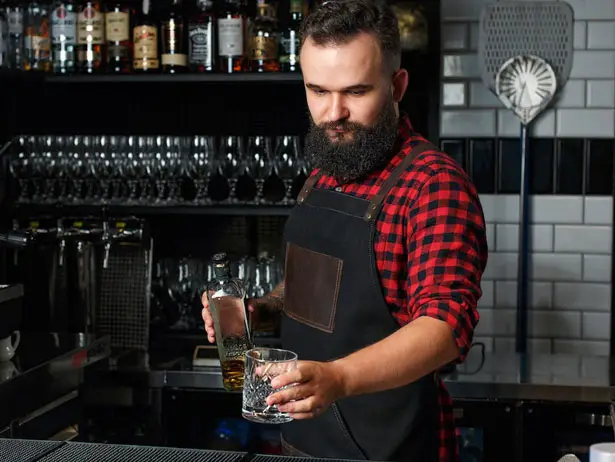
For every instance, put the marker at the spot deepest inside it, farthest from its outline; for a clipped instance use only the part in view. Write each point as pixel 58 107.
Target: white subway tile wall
pixel 570 266
pixel 570 272
pixel 583 110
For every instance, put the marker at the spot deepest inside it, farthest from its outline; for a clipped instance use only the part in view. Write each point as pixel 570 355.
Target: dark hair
pixel 337 22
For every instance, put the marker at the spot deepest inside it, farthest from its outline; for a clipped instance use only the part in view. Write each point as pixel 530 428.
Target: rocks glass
pixel 262 365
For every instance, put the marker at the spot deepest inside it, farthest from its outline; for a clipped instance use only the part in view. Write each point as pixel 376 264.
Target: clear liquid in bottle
pixel 226 297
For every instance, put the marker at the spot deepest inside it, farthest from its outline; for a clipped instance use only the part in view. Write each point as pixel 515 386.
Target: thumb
pixel 252 304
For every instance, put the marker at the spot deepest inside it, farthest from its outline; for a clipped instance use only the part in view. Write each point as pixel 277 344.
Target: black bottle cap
pixel 221 265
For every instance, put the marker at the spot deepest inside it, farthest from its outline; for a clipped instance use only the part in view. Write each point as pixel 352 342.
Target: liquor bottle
pixel 37 44
pixel 231 28
pixel 90 37
pixel 16 52
pixel 201 37
pixel 63 36
pixel 117 33
pixel 226 296
pixel 145 41
pixel 264 39
pixel 289 40
pixel 174 53
pixel 4 37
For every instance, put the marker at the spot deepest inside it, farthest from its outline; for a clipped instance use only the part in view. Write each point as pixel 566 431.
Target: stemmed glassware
pixel 157 170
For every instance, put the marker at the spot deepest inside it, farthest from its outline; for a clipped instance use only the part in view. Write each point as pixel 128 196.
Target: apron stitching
pixel 346 432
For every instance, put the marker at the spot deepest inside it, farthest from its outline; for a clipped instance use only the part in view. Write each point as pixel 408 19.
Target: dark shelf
pixel 22 76
pixel 119 210
pixel 277 77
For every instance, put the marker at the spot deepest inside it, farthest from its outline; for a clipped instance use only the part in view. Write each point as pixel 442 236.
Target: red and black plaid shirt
pixel 431 250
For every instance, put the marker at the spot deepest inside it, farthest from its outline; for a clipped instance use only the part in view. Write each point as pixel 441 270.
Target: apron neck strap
pixel 373 209
pixel 308 186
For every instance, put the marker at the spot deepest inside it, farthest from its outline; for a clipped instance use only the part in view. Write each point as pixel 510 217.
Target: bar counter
pixel 494 376
pixel 50 451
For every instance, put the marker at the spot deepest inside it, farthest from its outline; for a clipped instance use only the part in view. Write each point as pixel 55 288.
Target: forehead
pixel 342 65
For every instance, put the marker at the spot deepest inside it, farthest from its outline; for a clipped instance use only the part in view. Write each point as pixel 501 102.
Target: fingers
pixel 295 393
pixel 298 375
pixel 208 320
pixel 303 406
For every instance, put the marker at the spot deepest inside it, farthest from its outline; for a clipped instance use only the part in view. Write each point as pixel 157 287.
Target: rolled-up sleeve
pixel 447 254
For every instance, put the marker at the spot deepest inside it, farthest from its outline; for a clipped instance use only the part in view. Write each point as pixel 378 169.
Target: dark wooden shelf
pixel 25 210
pixel 273 77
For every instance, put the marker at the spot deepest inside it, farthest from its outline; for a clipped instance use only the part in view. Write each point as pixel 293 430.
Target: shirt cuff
pixel 459 316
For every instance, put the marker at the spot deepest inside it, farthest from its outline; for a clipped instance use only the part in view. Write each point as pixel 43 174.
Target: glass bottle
pixel 37 44
pixel 201 37
pixel 231 28
pixel 174 55
pixel 4 38
pixel 145 41
pixel 16 53
pixel 63 36
pixel 289 39
pixel 226 296
pixel 117 32
pixel 90 37
pixel 264 39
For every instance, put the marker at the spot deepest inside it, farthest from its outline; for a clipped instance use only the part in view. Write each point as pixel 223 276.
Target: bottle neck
pixel 222 273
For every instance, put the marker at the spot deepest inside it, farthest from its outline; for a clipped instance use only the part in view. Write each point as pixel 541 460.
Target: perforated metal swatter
pixel 525 56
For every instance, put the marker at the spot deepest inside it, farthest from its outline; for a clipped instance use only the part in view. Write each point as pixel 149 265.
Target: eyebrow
pixel 358 87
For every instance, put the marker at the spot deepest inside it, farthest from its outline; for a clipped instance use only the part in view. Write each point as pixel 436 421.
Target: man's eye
pixel 356 92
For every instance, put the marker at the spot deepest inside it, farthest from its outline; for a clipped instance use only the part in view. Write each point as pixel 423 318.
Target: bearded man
pixel 385 251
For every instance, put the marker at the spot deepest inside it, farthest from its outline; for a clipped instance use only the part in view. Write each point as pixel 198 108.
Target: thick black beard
pixel 369 149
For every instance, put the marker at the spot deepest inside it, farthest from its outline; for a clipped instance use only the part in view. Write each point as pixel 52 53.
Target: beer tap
pixel 105 238
pixel 115 234
pixel 62 234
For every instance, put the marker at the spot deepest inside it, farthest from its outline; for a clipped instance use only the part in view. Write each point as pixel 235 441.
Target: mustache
pixel 345 125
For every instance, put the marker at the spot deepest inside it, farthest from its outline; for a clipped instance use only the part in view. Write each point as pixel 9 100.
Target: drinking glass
pixel 262 365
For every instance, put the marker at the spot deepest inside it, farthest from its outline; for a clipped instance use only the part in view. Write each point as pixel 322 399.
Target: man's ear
pixel 399 84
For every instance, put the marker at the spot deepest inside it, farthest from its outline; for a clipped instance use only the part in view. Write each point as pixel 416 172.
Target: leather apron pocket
pixel 311 287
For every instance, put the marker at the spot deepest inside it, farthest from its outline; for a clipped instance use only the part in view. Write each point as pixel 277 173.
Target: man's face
pixel 353 106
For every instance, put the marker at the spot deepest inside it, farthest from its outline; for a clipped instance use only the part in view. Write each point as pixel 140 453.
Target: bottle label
pixel 90 25
pixel 289 45
pixel 145 40
pixel 63 26
pixel 230 37
pixel 15 20
pixel 264 47
pixel 296 6
pixel 200 43
pixel 37 40
pixel 117 26
pixel 174 59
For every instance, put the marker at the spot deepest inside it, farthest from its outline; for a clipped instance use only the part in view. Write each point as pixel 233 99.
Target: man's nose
pixel 338 109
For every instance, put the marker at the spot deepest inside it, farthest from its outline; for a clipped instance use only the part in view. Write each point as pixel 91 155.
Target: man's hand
pixel 252 304
pixel 316 386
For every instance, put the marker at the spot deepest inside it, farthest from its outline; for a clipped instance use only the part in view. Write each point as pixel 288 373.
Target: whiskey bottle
pixel 201 37
pixel 16 53
pixel 37 44
pixel 90 37
pixel 231 28
pixel 63 36
pixel 289 40
pixel 264 39
pixel 174 55
pixel 117 32
pixel 226 296
pixel 145 40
